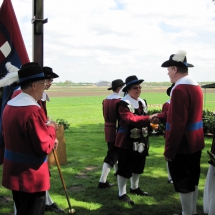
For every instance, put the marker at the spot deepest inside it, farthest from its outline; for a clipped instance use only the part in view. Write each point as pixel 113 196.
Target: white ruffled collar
pixel 23 99
pixel 45 97
pixel 134 103
pixel 184 80
pixel 114 96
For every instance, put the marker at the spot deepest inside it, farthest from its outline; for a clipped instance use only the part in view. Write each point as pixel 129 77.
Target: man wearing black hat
pixel 131 139
pixel 25 159
pixel 110 117
pixel 50 75
pixel 184 132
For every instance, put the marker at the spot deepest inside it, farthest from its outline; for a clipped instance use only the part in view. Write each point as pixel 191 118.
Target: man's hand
pixel 56 143
pixel 153 119
pixel 53 124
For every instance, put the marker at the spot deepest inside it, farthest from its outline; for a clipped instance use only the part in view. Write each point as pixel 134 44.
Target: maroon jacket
pixel 27 142
pixel 164 110
pixel 110 117
pixel 184 127
pixel 128 121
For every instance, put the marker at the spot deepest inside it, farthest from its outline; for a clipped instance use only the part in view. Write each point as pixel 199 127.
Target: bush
pixel 208 122
pixel 63 122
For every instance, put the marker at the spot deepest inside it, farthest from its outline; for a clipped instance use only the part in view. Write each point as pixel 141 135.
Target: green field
pixel 86 148
pixel 91 100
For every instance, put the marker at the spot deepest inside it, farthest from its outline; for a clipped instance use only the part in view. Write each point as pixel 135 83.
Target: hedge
pixel 208 123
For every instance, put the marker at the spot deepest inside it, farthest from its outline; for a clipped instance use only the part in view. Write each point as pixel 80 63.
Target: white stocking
pixel 48 199
pixel 186 203
pixel 134 181
pixel 167 167
pixel 194 201
pixel 121 185
pixel 105 171
pixel 14 206
pixel 115 166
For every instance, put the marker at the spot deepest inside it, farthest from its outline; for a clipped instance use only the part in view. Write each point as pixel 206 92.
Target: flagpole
pixel 38 22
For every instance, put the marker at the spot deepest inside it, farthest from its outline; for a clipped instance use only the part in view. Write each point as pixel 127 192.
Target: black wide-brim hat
pixel 116 83
pixel 30 72
pixel 179 60
pixel 131 80
pixel 48 72
pixel 168 91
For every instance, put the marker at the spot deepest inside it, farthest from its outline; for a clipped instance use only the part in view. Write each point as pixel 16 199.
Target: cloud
pixel 88 41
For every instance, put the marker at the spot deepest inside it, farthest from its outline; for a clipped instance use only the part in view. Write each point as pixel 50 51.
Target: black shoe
pixel 125 198
pixel 139 192
pixel 55 208
pixel 104 185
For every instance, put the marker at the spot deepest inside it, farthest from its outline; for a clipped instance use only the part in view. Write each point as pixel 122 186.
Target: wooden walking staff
pixel 71 210
pixel 38 21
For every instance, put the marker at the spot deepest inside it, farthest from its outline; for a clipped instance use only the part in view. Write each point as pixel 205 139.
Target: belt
pixel 24 158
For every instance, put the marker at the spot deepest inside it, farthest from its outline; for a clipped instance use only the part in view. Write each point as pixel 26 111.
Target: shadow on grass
pixel 86 150
pixel 88 199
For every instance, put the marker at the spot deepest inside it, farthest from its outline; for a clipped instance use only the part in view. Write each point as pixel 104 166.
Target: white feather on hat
pixel 179 56
pixel 11 76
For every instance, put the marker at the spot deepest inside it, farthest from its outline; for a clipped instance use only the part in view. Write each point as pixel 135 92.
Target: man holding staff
pixel 28 140
pixel 49 75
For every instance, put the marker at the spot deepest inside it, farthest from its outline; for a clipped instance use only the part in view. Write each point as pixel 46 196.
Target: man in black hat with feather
pixel 184 131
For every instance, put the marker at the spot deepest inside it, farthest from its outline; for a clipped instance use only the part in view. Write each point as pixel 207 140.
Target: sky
pixel 94 40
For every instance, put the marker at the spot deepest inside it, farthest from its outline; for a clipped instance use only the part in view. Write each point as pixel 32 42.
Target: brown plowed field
pixel 57 91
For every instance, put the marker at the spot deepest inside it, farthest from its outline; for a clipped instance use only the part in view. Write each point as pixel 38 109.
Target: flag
pixel 12 49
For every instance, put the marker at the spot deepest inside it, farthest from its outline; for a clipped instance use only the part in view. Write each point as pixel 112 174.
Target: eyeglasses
pixel 136 88
pixel 44 83
pixel 49 80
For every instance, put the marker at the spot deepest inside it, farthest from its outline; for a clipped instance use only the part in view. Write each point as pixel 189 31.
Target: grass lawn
pixel 86 148
pixel 85 153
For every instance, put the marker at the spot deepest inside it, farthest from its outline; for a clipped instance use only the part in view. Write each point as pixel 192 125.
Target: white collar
pixel 23 99
pixel 45 97
pixel 184 80
pixel 134 103
pixel 114 96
